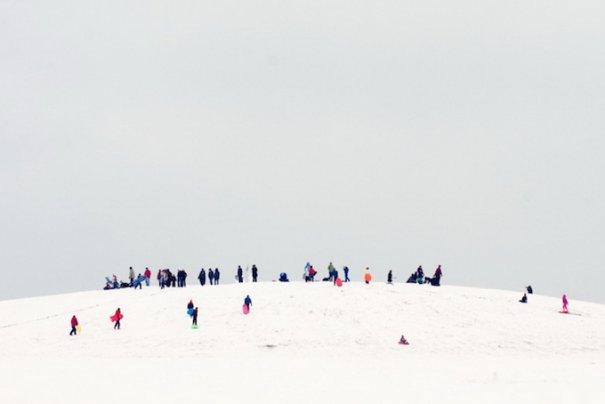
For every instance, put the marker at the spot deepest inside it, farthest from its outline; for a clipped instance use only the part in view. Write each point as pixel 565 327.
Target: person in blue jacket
pixel 346 271
pixel 248 301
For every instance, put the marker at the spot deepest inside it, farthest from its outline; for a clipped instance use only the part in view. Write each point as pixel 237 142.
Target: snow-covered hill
pixel 302 343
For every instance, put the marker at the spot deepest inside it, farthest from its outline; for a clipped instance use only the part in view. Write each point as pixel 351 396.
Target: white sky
pixel 368 133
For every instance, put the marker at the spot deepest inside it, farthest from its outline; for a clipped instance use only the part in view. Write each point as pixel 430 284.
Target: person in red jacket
pixel 118 316
pixel 147 274
pixel 74 324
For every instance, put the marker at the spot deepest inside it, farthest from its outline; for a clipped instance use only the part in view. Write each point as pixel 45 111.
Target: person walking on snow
pixel 346 271
pixel 74 324
pixel 202 277
pixel 217 276
pixel 194 316
pixel 211 276
pixel 117 317
pixel 248 302
pixel 131 275
pixel 565 303
pixel 390 277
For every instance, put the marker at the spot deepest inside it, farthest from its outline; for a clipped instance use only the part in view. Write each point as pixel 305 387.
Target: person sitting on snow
pixel 524 298
pixel 529 289
pixel 403 341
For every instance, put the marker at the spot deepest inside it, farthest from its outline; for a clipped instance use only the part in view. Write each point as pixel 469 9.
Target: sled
pixel 245 309
pixel 338 282
pixel 190 312
pixel 78 329
pixel 194 327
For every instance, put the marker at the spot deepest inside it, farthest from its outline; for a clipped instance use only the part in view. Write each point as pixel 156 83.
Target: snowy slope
pixel 302 342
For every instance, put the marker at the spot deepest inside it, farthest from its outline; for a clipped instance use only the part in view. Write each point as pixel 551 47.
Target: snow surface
pixel 302 343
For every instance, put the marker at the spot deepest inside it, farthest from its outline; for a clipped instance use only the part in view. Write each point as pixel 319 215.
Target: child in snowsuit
pixel 190 308
pixel 248 302
pixel 74 324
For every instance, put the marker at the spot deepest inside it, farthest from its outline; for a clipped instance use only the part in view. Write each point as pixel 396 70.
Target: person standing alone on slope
pixel 118 316
pixel 565 303
pixel 194 316
pixel 74 324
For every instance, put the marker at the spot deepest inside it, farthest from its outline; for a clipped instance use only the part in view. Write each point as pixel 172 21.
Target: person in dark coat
pixel 524 298
pixel 217 276
pixel 194 316
pixel 529 289
pixel 412 278
pixel 74 324
pixel 248 301
pixel 390 277
pixel 346 271
pixel 240 274
pixel 335 274
pixel 436 279
pixel 254 273
pixel 202 277
pixel 420 275
pixel 211 276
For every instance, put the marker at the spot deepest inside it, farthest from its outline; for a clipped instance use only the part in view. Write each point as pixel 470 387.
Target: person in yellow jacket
pixel 367 276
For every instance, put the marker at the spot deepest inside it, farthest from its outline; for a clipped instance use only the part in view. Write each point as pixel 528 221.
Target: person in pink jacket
pixel 565 302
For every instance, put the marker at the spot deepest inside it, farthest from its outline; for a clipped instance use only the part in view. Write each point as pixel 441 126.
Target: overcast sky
pixel 387 134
